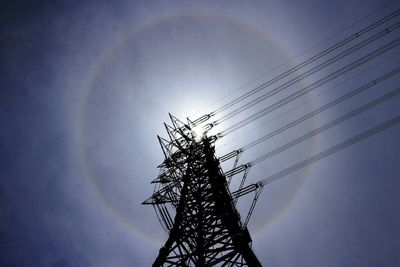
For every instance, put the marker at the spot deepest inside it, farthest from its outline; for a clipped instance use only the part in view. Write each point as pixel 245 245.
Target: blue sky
pixel 86 86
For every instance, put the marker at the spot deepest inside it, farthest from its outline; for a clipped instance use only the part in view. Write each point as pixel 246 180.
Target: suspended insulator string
pixel 311 87
pixel 323 108
pixel 310 60
pixel 339 85
pixel 309 72
pixel 327 126
pixel 364 135
pixel 163 224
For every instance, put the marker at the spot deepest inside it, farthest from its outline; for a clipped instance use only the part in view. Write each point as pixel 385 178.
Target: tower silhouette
pixel 207 229
pixel 192 196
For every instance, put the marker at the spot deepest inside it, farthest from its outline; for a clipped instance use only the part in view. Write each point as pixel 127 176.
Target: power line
pixel 302 54
pixel 339 85
pixel 310 72
pixel 313 86
pixel 332 150
pixel 313 47
pixel 323 108
pixel 308 61
pixel 327 126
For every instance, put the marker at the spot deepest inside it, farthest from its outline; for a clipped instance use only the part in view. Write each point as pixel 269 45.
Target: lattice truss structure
pixel 194 205
pixel 192 198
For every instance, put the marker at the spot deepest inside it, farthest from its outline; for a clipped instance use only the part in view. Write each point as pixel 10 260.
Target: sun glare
pixel 198 131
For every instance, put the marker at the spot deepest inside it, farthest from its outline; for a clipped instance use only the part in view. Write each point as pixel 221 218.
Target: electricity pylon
pixel 207 229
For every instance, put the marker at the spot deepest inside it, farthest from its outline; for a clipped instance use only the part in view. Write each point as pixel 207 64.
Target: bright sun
pixel 199 131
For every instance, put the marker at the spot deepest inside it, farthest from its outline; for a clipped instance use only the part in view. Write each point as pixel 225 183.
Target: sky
pixel 87 85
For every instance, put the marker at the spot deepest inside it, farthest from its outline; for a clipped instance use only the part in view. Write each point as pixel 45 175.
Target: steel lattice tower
pixel 206 230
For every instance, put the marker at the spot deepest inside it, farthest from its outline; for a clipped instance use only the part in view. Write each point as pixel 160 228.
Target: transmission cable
pixel 323 108
pixel 306 62
pixel 339 85
pixel 304 137
pixel 327 126
pixel 309 88
pixel 361 32
pixel 332 150
pixel 313 113
pixel 309 72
